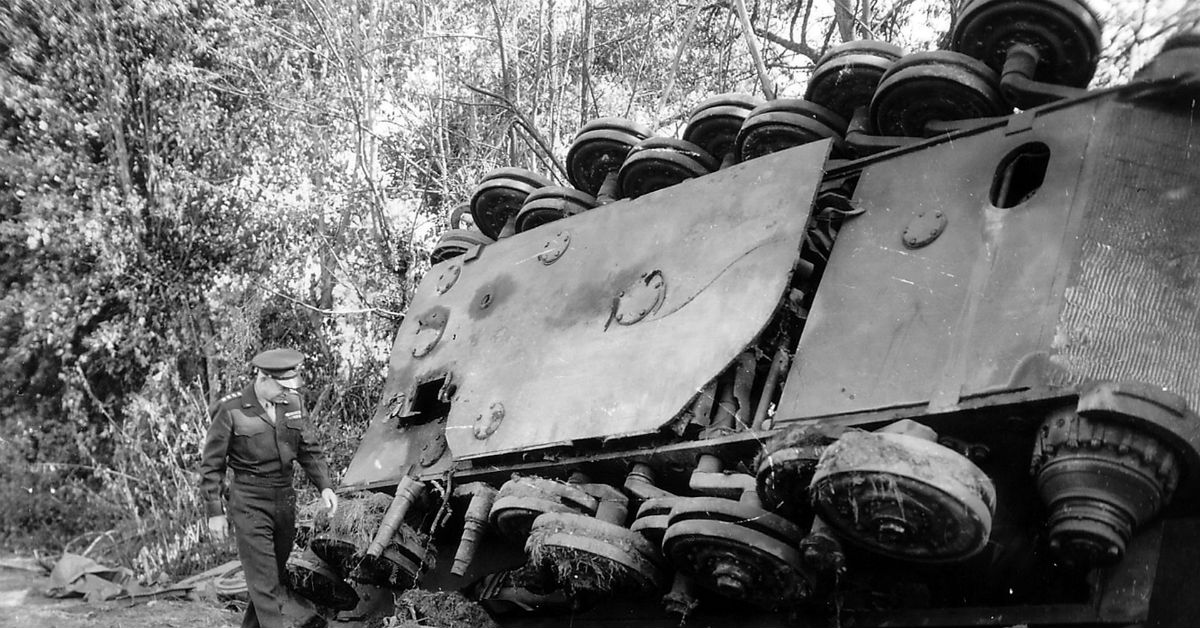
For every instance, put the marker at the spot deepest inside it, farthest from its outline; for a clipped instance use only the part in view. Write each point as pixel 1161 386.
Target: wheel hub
pixel 738 550
pixel 904 496
pixel 1065 33
pixel 1106 466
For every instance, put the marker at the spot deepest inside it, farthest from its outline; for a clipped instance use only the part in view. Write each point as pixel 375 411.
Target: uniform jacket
pixel 242 438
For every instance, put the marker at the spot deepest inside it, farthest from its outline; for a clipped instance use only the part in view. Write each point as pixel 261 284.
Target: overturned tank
pixel 922 348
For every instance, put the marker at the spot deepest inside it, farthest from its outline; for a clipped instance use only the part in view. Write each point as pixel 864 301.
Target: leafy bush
pixel 49 505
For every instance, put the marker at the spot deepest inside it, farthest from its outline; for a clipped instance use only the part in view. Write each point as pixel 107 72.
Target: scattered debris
pixel 79 576
pixel 74 575
pixel 417 608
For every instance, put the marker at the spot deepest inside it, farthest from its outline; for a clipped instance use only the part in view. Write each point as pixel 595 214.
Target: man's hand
pixel 330 500
pixel 218 527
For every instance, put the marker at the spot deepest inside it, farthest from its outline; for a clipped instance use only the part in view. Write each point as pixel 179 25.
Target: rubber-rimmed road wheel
pixel 845 78
pixel 714 124
pixel 934 86
pixel 455 242
pixel 552 203
pixel 784 123
pixel 499 197
pixel 660 162
pixel 600 148
pixel 1065 33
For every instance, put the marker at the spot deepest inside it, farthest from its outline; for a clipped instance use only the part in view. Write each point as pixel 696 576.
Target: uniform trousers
pixel 263 513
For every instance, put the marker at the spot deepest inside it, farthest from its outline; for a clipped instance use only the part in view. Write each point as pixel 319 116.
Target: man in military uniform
pixel 258 433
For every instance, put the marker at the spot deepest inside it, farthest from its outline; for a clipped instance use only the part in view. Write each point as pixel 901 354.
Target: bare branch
pixel 523 121
pixel 795 46
pixel 768 86
pixel 367 310
pixel 683 41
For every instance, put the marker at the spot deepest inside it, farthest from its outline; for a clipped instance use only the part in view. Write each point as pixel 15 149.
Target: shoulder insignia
pixel 222 403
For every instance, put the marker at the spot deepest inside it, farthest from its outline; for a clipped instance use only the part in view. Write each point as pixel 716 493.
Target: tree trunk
pixel 843 15
pixel 585 63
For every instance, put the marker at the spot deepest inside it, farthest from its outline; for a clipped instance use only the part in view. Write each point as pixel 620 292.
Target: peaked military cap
pixel 281 365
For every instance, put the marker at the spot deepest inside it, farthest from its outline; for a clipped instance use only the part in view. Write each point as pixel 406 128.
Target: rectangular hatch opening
pixel 430 401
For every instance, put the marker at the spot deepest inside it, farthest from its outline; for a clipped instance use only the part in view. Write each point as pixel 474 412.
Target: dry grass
pixel 356 520
pixel 578 571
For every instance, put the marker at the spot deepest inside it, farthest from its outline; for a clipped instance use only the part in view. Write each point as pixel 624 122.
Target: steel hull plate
pixel 542 354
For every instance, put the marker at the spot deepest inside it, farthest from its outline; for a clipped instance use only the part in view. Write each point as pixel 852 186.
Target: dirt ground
pixel 24 605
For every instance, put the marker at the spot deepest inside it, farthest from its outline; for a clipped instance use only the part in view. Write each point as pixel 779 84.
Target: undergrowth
pixel 128 496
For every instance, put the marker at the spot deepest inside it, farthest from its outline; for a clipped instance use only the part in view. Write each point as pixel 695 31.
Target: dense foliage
pixel 183 183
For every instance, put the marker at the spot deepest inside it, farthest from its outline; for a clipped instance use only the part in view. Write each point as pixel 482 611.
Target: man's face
pixel 270 389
